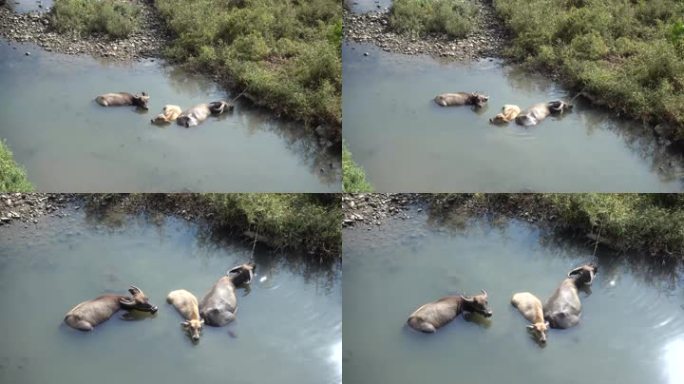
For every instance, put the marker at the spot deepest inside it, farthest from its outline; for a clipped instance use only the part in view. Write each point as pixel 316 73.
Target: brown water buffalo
pixel 461 98
pixel 89 314
pixel 169 113
pixel 531 309
pixel 123 98
pixel 438 313
pixel 186 304
pixel 197 114
pixel 540 111
pixel 508 113
pixel 564 308
pixel 219 305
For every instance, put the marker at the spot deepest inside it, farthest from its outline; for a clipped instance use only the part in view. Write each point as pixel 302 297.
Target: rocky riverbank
pixel 34 27
pixel 372 209
pixel 373 27
pixel 30 207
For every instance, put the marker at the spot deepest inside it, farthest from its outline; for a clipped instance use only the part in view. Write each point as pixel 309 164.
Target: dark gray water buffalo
pixel 538 112
pixel 123 98
pixel 438 313
pixel 461 98
pixel 564 308
pixel 186 304
pixel 219 305
pixel 197 114
pixel 531 309
pixel 90 313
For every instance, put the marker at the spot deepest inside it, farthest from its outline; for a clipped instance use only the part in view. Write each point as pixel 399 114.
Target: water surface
pixel 288 326
pixel 632 328
pixel 67 142
pixel 407 143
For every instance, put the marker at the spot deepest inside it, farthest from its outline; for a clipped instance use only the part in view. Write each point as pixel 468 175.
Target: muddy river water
pixel 631 332
pixel 67 142
pixel 406 142
pixel 288 326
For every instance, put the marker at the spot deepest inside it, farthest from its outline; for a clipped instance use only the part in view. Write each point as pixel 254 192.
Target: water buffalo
pixel 186 304
pixel 461 98
pixel 563 308
pixel 169 114
pixel 531 309
pixel 219 305
pixel 508 113
pixel 538 112
pixel 123 98
pixel 438 313
pixel 197 114
pixel 90 313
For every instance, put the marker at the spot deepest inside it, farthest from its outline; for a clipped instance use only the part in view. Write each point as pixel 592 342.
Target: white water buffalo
pixel 169 113
pixel 564 308
pixel 438 313
pixel 531 309
pixel 89 314
pixel 186 304
pixel 538 112
pixel 197 114
pixel 123 98
pixel 461 98
pixel 508 113
pixel 219 305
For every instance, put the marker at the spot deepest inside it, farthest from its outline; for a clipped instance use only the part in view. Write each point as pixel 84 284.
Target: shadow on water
pixel 630 332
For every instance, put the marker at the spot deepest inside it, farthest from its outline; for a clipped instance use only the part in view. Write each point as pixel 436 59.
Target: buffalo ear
pixel 134 290
pixel 202 321
pixel 126 301
pixel 547 324
pixel 575 271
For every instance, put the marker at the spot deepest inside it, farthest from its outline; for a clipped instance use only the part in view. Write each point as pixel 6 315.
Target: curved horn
pixel 126 301
pixel 484 293
pixel 575 271
pixel 133 290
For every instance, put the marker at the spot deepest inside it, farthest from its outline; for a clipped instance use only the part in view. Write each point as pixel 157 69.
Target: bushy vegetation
pixel 456 18
pixel 308 223
pixel 286 54
pixel 12 176
pixel 625 54
pixel 652 223
pixel 354 177
pixel 116 18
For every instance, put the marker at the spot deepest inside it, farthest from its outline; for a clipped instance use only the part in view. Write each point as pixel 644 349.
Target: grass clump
pixel 115 18
pixel 650 223
pixel 285 53
pixel 12 176
pixel 307 223
pixel 625 54
pixel 354 177
pixel 455 18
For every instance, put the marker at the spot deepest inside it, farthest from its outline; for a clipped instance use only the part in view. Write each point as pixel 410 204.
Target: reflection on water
pixel 406 142
pixel 628 319
pixel 363 6
pixel 73 144
pixel 287 330
pixel 673 354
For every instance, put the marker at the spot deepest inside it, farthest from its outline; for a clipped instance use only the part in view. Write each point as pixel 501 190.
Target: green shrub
pixel 285 53
pixel 455 18
pixel 115 18
pixel 353 175
pixel 12 176
pixel 628 54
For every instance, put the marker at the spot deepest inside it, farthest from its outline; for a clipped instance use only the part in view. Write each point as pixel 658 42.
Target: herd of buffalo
pixel 561 310
pixel 217 308
pixel 170 113
pixel 531 116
